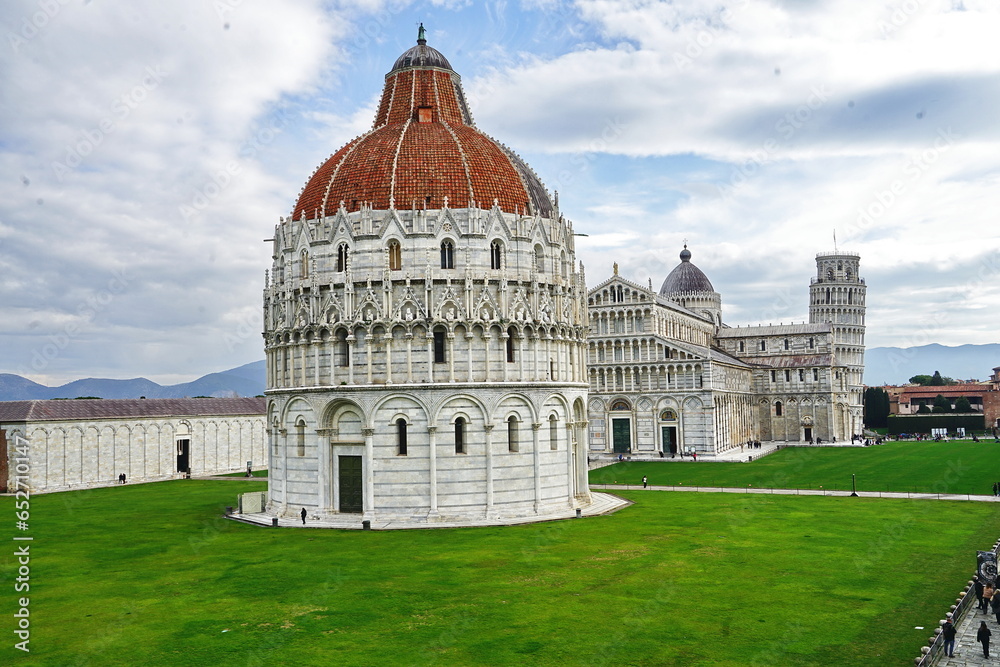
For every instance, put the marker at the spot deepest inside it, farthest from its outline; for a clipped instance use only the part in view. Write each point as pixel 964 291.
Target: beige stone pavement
pixel 603 503
pixel 968 651
pixel 805 492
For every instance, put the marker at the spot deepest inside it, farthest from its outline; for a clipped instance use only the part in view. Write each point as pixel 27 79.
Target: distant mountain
pixel 883 365
pixel 246 380
pixel 22 389
pixel 896 365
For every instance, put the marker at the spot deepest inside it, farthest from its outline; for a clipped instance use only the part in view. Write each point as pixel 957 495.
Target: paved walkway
pixel 228 478
pixel 603 503
pixel 968 651
pixel 732 455
pixel 805 492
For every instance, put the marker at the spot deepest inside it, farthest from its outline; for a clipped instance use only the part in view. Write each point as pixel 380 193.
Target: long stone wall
pixel 78 454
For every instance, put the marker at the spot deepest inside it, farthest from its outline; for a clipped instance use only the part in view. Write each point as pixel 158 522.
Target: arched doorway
pixel 621 427
pixel 668 433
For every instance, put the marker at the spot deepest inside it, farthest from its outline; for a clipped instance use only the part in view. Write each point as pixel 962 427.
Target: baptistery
pixel 425 324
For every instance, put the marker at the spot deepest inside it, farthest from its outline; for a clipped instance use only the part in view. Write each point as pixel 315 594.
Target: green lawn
pixel 940 467
pixel 150 574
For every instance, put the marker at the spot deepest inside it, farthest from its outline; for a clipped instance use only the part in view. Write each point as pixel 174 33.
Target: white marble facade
pixel 667 376
pixel 426 365
pixel 87 443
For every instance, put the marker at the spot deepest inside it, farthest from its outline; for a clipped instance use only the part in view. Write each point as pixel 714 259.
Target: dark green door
pixel 669 434
pixel 621 434
pixel 351 484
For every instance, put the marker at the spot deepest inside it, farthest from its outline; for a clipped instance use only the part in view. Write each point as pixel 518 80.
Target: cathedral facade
pixel 668 377
pixel 425 324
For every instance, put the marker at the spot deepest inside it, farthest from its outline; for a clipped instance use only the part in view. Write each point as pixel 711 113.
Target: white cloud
pixel 157 145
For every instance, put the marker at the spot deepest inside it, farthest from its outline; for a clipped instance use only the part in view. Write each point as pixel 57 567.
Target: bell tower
pixel 837 296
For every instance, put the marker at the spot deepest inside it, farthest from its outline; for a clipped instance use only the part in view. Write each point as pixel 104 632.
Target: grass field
pixel 151 574
pixel 940 467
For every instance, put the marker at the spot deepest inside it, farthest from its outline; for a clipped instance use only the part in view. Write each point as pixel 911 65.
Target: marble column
pixel 490 510
pixel 536 463
pixel 369 471
pixel 432 471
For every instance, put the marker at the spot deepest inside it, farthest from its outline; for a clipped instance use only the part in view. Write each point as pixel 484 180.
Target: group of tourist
pixel 987 602
pixel 925 437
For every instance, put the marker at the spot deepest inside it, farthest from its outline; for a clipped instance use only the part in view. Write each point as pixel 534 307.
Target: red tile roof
pixel 956 390
pixel 110 408
pixel 403 163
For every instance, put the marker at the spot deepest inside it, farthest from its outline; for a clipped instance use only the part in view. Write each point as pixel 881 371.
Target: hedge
pixel 924 423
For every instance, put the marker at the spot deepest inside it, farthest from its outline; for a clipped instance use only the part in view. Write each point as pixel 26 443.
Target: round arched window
pixel 668 416
pixel 621 405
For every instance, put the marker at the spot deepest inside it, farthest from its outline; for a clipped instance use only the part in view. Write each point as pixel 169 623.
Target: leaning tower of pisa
pixel 837 297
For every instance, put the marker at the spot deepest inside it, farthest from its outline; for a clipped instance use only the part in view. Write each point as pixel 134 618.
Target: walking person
pixel 988 591
pixel 948 631
pixel 303 515
pixel 644 481
pixel 977 587
pixel 995 605
pixel 983 637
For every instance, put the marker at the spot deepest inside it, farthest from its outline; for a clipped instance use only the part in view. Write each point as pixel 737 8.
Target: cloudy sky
pixel 148 148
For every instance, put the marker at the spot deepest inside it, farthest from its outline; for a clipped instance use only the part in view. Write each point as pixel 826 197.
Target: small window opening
pixel 300 437
pixel 512 444
pixel 439 356
pixel 395 256
pixel 342 257
pixel 447 255
pixel 401 436
pixel 495 256
pixel 460 435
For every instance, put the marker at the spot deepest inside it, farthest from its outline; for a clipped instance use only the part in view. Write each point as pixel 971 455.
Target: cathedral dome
pixel 423 151
pixel 686 277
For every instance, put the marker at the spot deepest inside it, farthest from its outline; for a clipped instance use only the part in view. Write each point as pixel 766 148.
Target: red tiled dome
pixel 423 147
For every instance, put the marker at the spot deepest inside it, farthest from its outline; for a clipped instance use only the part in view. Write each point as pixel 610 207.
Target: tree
pixel 963 405
pixel 876 407
pixel 941 404
pixel 936 380
pixel 923 409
